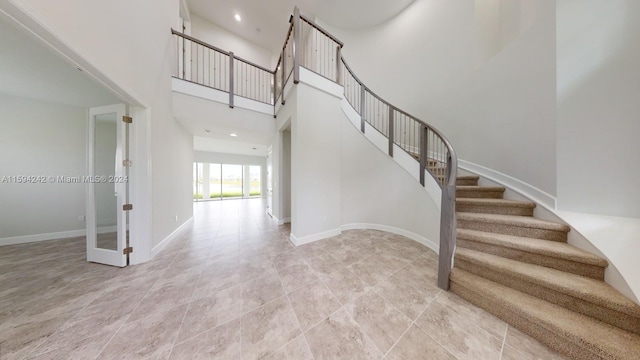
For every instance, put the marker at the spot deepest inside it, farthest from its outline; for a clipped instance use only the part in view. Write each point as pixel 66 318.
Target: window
pixel 223 181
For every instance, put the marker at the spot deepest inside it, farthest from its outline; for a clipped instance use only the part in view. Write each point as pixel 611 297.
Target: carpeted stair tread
pixel 521 221
pixel 466 180
pixel 481 188
pixel 543 247
pixel 495 202
pixel 468 177
pixel 474 191
pixel 567 331
pixel 587 289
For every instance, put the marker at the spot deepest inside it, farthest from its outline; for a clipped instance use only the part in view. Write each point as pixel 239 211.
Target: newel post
pixel 231 90
pixel 447 235
pixel 296 45
pixel 423 152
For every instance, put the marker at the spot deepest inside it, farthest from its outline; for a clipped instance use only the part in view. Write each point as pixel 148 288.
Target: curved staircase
pixel 522 270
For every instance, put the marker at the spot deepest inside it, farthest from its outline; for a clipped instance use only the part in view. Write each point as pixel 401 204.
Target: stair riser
pixel 592 271
pixel 552 339
pixel 596 311
pixel 496 210
pixel 506 229
pixel 467 182
pixel 437 170
pixel 477 194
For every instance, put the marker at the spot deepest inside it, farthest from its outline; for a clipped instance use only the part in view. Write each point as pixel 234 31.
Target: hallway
pixel 232 286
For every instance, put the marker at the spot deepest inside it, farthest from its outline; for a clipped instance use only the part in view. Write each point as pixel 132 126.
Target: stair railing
pixel 310 46
pixel 207 65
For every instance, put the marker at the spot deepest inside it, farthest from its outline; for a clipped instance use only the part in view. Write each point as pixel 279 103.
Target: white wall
pixel 376 190
pixel 315 165
pixel 222 158
pixel 598 107
pixel 286 174
pixel 287 115
pixel 500 114
pixel 213 34
pixel 130 44
pixel 340 179
pixel 39 138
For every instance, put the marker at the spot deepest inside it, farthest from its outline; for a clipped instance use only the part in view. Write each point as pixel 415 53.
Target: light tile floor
pixel 232 286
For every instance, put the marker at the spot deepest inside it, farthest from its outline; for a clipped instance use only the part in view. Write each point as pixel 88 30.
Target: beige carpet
pixel 522 270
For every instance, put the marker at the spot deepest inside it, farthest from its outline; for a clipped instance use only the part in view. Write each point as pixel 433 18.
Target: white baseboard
pixel 394 230
pixel 281 221
pixel 41 237
pixel 52 236
pixel 315 237
pixel 365 226
pixel 532 192
pixel 163 244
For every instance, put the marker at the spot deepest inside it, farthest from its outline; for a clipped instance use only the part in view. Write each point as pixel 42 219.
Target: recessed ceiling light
pixel 238 18
pixel 233 134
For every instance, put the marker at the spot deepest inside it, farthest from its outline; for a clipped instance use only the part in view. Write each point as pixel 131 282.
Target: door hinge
pixel 127 250
pixel 127 163
pixel 127 207
pixel 127 119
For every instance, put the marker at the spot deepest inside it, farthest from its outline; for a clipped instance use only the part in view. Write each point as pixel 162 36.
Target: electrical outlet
pixel 81 218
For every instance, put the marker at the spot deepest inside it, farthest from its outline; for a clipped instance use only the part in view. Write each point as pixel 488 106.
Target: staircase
pixel 522 270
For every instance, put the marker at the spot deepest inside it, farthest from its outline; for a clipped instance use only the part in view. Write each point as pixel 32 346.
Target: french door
pixel 107 186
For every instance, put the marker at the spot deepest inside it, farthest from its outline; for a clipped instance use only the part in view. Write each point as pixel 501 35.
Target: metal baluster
pixel 391 129
pixel 231 78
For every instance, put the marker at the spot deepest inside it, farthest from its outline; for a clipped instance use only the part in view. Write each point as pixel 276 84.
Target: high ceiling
pixel 271 17
pixel 29 69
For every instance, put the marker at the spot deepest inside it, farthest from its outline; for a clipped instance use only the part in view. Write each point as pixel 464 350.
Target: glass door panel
pixel 231 181
pixel 255 187
pixel 215 181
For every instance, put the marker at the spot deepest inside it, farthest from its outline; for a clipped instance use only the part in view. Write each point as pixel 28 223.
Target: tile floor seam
pixel 354 299
pixel 365 334
pixel 390 303
pixel 398 340
pixel 425 309
pixel 504 341
pixel 439 344
pixel 294 312
pixel 425 331
pixel 480 328
pixel 134 309
pixel 34 353
pixel 321 321
pixel 241 341
pixel 173 344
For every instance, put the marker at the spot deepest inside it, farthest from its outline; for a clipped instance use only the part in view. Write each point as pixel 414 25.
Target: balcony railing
pixel 308 45
pixel 207 65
